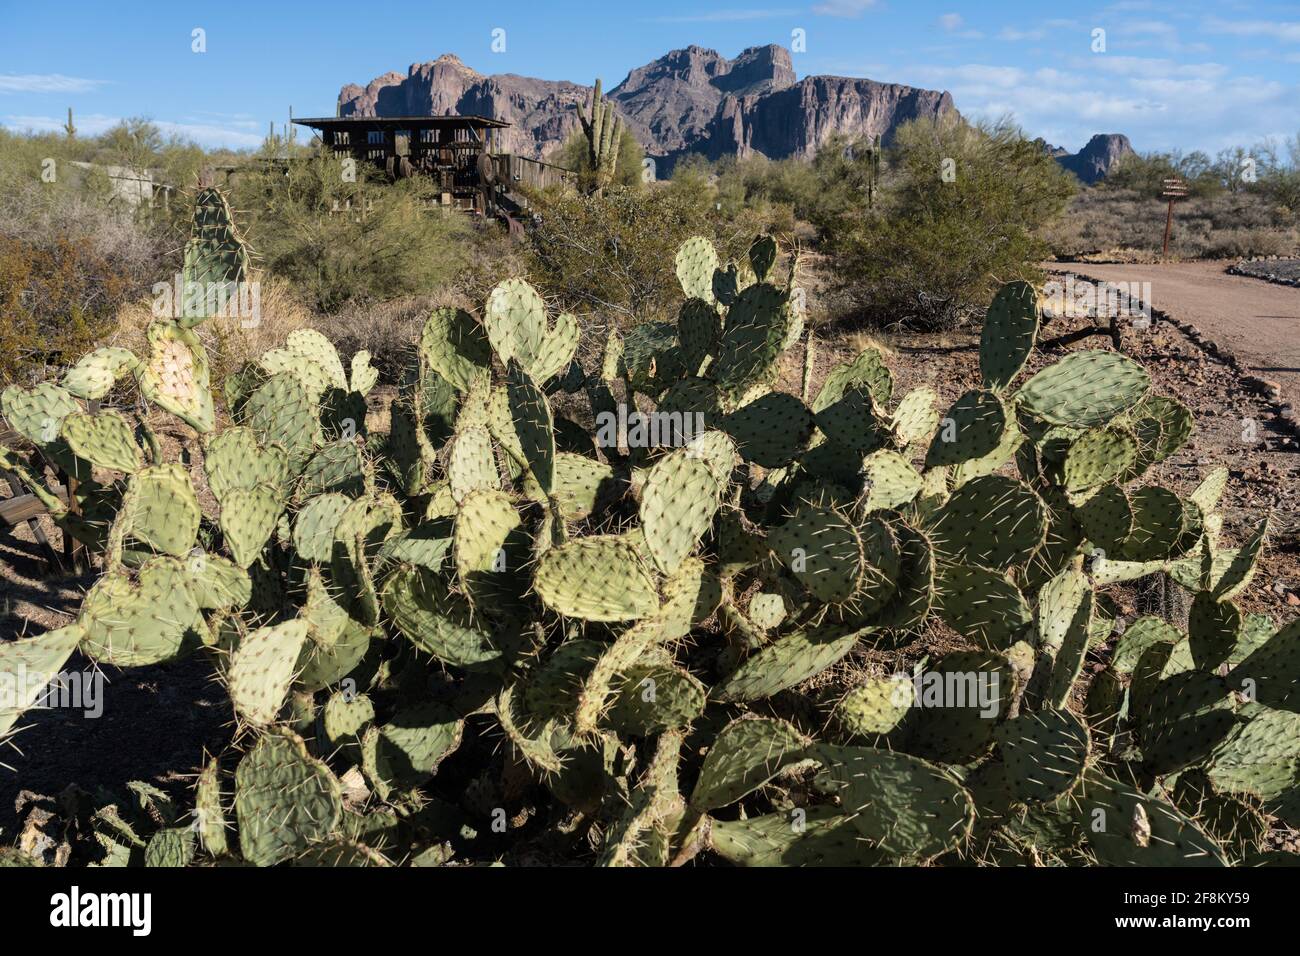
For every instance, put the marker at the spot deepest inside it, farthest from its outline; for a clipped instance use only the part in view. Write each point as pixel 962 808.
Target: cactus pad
pixel 752 340
pixel 261 670
pixel 823 550
pixel 744 756
pixel 175 377
pixel 215 253
pixel 1084 389
pixel 787 661
pixel 678 502
pixel 1099 456
pixel 981 604
pixel 436 621
pixel 654 698
pixel 455 346
pixel 104 439
pixel 248 519
pixel 27 667
pixel 281 412
pixel 971 429
pixel 909 807
pixel 534 425
pixel 95 374
pixel 284 800
pixel 1010 329
pixel 771 430
pixel 134 623
pixel 1125 827
pixel 875 707
pixel 696 261
pixel 37 413
pixel 164 510
pixel 313 529
pixel 1044 753
pixel 867 370
pixel 991 521
pixel 597 578
pixel 472 462
pixel 489 555
pixel 235 459
pixel 916 417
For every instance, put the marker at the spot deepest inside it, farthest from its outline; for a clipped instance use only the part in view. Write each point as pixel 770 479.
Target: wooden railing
pixel 23 506
pixel 515 170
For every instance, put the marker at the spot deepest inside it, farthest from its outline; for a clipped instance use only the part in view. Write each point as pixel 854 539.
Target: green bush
pixel 342 241
pixel 68 260
pixel 957 216
pixel 614 253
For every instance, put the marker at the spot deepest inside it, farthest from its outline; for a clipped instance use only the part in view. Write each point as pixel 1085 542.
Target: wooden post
pixel 1169 223
pixel 1173 189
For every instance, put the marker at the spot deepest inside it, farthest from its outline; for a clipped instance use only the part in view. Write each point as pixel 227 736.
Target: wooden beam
pixel 23 508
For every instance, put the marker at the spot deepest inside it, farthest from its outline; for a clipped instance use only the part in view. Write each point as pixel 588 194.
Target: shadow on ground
pixel 155 725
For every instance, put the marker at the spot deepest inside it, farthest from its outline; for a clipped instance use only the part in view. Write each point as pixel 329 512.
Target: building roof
pixel 400 122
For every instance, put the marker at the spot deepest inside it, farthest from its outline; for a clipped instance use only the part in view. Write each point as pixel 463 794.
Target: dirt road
pixel 1258 321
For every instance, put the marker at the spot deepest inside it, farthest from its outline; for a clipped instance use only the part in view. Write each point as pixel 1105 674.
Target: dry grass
pixel 881 341
pixel 389 330
pixel 227 341
pixel 1125 225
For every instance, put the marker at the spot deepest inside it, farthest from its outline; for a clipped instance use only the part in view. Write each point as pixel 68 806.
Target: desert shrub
pixel 736 201
pixel 1267 170
pixel 1123 223
pixel 932 251
pixel 229 341
pixel 346 241
pixel 812 200
pixel 68 260
pixel 1280 178
pixel 614 253
pixel 1145 173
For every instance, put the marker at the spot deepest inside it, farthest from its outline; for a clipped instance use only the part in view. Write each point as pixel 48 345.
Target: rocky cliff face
pixel 797 120
pixel 689 101
pixel 541 112
pixel 1095 161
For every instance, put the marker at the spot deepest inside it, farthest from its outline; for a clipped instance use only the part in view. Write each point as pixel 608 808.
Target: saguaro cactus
pixel 604 130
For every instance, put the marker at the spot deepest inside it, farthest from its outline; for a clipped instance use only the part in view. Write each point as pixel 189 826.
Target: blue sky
pixel 1173 75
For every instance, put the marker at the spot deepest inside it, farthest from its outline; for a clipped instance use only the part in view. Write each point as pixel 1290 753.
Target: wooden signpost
pixel 1173 189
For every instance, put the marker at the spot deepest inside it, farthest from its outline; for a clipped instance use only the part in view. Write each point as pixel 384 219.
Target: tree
pixel 957 219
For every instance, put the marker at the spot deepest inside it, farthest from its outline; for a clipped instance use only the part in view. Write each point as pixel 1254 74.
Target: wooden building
pixel 457 152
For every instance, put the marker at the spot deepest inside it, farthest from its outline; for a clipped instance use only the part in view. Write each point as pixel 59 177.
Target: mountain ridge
pixel 689 101
pixel 692 100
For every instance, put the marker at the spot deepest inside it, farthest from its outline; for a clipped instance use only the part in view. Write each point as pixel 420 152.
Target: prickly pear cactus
pixel 492 613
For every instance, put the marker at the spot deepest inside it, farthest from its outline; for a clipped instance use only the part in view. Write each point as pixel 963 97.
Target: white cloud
pixel 1150 28
pixel 1160 103
pixel 843 8
pixel 1286 30
pixel 976 75
pixel 952 23
pixel 1013 35
pixel 47 83
pixel 1138 66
